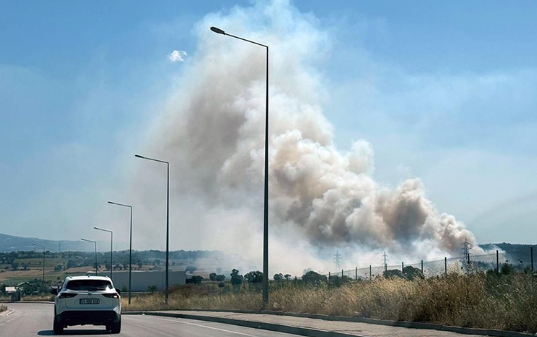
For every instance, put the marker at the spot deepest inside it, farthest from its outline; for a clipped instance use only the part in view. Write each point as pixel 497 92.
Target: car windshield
pixel 89 285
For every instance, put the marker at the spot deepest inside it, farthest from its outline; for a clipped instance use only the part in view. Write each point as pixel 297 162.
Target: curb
pixel 249 324
pixel 308 332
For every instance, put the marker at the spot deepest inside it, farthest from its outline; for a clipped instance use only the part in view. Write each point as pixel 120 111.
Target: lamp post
pixel 265 205
pixel 130 246
pixel 95 242
pixel 35 244
pixel 167 218
pixel 111 247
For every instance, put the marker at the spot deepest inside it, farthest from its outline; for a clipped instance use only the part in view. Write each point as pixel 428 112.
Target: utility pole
pixel 337 259
pixel 385 261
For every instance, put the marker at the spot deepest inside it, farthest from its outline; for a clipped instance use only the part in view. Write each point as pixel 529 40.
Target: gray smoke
pixel 212 131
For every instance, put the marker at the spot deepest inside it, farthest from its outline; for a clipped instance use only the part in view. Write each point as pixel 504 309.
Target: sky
pixel 441 93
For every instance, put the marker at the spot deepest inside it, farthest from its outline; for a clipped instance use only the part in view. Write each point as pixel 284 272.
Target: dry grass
pixel 490 302
pixel 41 297
pixel 3 308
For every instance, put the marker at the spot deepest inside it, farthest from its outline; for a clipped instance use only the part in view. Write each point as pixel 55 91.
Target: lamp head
pixel 218 30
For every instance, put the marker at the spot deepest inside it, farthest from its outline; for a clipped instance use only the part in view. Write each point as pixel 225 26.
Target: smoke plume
pixel 321 198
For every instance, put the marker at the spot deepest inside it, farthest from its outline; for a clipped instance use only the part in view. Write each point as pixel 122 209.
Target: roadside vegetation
pixel 480 300
pixel 3 308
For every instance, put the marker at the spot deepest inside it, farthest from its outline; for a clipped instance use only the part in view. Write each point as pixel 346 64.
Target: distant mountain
pixel 516 253
pixel 9 243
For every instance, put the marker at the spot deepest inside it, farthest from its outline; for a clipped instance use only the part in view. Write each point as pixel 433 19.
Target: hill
pixel 9 243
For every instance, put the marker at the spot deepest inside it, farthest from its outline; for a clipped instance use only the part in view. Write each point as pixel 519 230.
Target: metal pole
pixel 130 259
pixel 531 254
pixel 497 262
pixel 111 254
pixel 43 267
pixel 95 242
pixel 445 265
pixel 402 266
pixel 370 276
pixel 167 231
pixel 265 220
pixel 328 278
pixel 356 273
pixel 266 187
pixel 167 220
pixel 422 266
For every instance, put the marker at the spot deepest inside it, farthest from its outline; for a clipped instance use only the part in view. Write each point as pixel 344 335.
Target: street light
pixel 167 218
pixel 111 247
pixel 265 205
pixel 35 244
pixel 130 247
pixel 95 242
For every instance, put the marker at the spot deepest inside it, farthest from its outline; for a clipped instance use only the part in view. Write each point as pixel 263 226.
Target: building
pixel 142 280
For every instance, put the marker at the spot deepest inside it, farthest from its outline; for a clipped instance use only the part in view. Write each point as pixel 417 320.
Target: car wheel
pixel 116 327
pixel 58 328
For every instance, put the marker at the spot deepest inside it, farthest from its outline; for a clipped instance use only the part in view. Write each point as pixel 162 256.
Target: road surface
pixel 35 319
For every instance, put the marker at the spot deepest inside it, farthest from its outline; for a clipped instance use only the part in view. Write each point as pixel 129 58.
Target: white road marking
pixel 204 326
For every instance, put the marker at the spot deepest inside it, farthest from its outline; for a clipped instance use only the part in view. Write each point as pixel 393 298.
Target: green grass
pixel 479 301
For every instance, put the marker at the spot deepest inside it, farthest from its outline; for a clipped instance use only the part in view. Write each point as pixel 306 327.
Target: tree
pixel 412 273
pixel 212 276
pixel 506 269
pixel 236 279
pixel 196 279
pixel 221 285
pixel 254 277
pixel 140 264
pixel 313 278
pixel 278 277
pixel 58 267
pixel 15 265
pixel 287 276
pixel 393 273
pixel 220 278
pixel 190 269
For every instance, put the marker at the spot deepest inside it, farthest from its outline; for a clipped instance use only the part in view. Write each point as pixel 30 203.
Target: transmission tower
pixel 337 259
pixel 465 249
pixel 385 261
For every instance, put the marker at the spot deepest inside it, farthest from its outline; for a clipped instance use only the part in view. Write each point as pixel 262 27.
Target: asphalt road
pixel 31 319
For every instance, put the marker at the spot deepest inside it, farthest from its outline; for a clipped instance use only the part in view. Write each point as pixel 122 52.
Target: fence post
pixel 370 276
pixel 356 273
pixel 328 278
pixel 341 274
pixel 402 266
pixel 531 253
pixel 497 262
pixel 445 265
pixel 422 266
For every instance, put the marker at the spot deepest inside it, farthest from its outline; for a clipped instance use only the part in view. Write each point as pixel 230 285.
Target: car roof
pixel 88 277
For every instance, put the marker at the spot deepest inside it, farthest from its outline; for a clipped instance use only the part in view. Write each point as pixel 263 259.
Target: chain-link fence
pixel 491 263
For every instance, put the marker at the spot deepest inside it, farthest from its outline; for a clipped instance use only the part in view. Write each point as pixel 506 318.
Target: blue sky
pixel 444 92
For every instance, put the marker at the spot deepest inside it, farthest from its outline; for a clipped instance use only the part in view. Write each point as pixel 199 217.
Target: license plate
pixel 89 301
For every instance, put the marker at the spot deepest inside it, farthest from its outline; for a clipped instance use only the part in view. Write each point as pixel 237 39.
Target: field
pixel 504 302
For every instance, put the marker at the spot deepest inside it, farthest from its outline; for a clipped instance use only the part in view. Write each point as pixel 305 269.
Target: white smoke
pixel 321 198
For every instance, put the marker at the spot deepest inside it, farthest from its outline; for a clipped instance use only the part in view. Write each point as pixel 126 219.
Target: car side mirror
pixel 118 291
pixel 54 291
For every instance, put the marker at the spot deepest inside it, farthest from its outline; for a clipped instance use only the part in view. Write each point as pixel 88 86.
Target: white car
pixel 87 300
